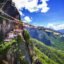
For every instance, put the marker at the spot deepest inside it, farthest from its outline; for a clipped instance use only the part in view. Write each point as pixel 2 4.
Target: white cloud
pixel 45 9
pixel 44 6
pixel 56 26
pixel 27 19
pixel 31 5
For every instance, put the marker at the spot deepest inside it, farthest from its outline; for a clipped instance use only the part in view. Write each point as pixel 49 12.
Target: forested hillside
pixel 48 37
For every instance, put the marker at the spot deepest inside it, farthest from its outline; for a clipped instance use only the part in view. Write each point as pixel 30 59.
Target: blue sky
pixel 48 13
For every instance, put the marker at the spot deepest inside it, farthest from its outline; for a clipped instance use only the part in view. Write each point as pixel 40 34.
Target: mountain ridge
pixel 49 37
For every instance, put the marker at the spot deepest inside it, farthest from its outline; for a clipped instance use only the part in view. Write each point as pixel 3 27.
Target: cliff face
pixel 16 53
pixel 6 23
pixel 11 10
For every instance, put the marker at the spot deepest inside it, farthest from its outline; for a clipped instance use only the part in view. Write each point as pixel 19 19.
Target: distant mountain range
pixel 62 31
pixel 49 45
pixel 47 36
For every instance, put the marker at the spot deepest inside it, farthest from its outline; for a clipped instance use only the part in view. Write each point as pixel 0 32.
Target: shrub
pixel 19 39
pixel 26 35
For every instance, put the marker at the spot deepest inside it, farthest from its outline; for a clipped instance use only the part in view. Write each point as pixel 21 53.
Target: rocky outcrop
pixel 7 15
